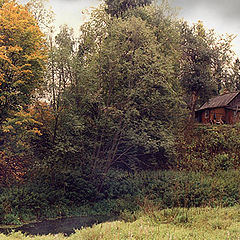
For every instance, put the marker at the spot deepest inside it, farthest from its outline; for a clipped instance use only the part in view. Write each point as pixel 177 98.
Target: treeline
pixel 119 96
pixel 115 96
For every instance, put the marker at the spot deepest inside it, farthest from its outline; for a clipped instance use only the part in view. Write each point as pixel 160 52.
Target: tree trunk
pixel 193 102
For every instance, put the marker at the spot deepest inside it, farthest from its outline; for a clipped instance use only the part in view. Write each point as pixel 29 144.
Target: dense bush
pixel 121 191
pixel 185 189
pixel 209 148
pixel 30 201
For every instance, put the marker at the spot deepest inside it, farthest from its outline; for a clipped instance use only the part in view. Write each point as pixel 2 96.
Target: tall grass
pixel 169 224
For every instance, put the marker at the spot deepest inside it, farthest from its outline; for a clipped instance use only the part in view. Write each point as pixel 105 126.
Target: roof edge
pixel 235 94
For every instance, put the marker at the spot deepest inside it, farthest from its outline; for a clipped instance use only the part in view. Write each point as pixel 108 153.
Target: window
pixel 206 113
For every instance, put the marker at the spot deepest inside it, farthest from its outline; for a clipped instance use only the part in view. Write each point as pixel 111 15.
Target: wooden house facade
pixel 221 109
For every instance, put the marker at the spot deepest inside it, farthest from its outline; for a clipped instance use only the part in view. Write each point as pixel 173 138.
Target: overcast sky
pixel 70 12
pixel 221 15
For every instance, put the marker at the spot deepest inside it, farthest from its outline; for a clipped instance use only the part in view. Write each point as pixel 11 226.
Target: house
pixel 221 109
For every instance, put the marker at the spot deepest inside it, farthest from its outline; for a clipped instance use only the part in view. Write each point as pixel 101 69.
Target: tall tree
pixel 122 96
pixel 118 7
pixel 43 15
pixel 233 83
pixel 133 73
pixel 22 63
pixel 60 74
pixel 204 63
pixel 22 57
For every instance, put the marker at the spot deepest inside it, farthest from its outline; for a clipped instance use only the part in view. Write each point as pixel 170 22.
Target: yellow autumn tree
pixel 22 57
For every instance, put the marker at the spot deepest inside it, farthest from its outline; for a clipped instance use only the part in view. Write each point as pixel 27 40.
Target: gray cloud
pixel 221 15
pixel 228 9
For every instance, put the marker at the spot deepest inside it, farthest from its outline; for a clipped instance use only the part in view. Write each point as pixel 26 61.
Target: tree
pixel 16 153
pixel 43 15
pixel 133 79
pixel 204 62
pixel 118 7
pixel 116 95
pixel 22 57
pixel 234 77
pixel 60 70
pixel 22 63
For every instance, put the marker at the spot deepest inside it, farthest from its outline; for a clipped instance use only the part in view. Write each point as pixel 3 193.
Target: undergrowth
pixel 121 192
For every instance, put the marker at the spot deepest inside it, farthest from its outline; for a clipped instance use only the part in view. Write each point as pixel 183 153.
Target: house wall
pixel 233 116
pixel 217 114
pixel 229 116
pixel 221 114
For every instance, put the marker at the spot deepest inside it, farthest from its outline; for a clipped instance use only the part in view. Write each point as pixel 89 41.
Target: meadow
pixel 149 223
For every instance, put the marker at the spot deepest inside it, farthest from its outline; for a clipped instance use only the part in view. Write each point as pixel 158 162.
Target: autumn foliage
pixel 22 60
pixel 22 57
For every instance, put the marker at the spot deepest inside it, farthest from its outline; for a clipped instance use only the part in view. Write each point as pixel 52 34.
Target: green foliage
pixel 133 94
pixel 206 58
pixel 233 83
pixel 11 219
pixel 117 96
pixel 197 75
pixel 118 8
pixel 209 148
pixel 116 101
pixel 120 192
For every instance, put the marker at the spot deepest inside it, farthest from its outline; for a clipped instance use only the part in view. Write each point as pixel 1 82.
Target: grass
pixel 150 223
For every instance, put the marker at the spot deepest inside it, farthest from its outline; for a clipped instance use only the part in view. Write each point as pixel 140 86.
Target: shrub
pixel 209 148
pixel 176 189
pixel 121 192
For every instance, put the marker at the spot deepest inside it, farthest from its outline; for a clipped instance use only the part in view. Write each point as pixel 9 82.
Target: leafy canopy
pixel 22 56
pixel 119 7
